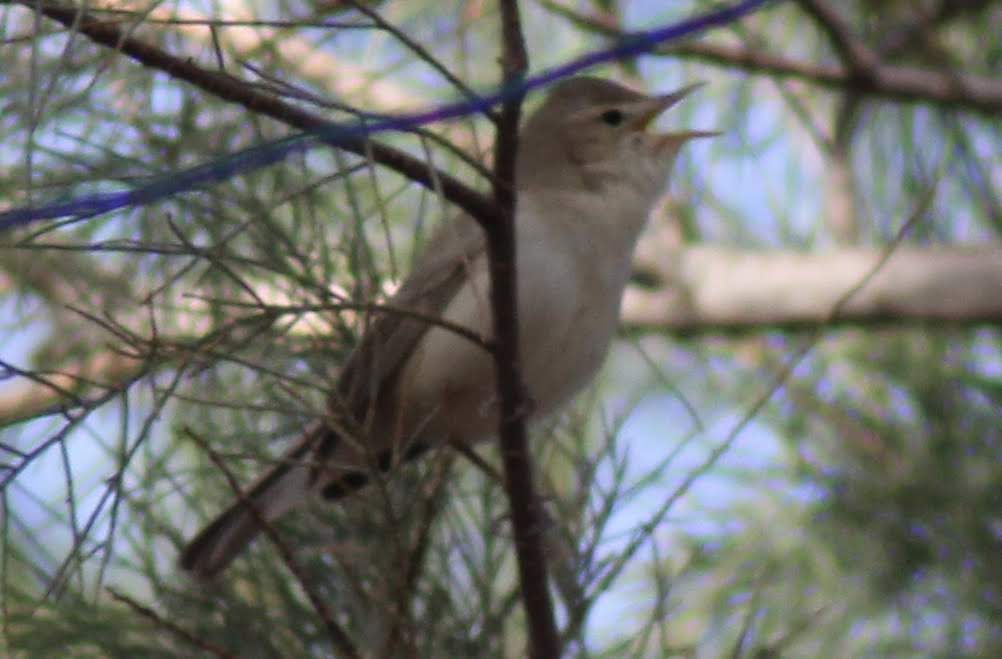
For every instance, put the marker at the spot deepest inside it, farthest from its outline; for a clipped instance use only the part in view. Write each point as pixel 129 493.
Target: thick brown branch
pixel 525 505
pixel 232 89
pixel 962 90
pixel 972 92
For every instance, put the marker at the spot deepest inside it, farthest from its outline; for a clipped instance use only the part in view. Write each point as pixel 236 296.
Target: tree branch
pixel 232 89
pixel 165 625
pixel 905 83
pixel 338 636
pixel 525 506
pixel 696 290
pixel 857 57
pixel 715 288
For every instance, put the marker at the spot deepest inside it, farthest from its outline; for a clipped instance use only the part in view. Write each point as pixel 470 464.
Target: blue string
pixel 333 134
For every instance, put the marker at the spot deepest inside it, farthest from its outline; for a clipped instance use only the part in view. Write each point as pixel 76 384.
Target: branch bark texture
pixel 526 517
pixel 700 289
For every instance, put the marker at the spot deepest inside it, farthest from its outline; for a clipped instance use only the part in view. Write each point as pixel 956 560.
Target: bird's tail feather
pixel 282 488
pixel 279 490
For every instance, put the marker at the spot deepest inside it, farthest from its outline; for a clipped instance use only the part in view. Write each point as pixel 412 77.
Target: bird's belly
pixel 565 332
pixel 567 316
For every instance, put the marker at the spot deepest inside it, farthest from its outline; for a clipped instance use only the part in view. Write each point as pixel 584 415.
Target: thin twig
pixel 420 52
pixel 415 561
pixel 230 88
pixel 286 89
pixel 368 307
pixel 906 83
pixel 175 630
pixel 644 531
pixel 338 636
pixel 857 56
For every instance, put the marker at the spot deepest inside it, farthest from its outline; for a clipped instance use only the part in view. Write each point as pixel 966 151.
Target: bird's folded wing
pixel 451 254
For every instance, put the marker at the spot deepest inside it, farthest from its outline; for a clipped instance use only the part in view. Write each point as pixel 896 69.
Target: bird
pixel 588 173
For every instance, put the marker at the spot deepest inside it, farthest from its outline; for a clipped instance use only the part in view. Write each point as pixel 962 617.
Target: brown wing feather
pixel 366 376
pixel 369 372
pixel 391 337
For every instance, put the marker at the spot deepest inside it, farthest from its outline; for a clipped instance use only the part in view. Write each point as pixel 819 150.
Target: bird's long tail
pixel 287 485
pixel 279 490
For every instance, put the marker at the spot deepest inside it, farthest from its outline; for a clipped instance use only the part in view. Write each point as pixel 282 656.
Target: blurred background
pixel 795 447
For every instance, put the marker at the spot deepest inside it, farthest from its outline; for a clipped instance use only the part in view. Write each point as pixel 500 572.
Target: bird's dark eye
pixel 612 117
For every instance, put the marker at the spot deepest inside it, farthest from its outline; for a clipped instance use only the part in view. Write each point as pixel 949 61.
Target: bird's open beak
pixel 651 109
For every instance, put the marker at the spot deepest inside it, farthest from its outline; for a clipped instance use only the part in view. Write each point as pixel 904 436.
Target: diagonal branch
pixel 857 57
pixel 419 51
pixel 166 625
pixel 905 83
pixel 338 636
pixel 232 89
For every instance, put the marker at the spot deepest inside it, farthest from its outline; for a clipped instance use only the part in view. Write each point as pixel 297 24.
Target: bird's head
pixel 593 133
